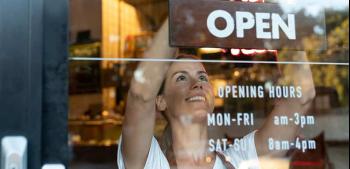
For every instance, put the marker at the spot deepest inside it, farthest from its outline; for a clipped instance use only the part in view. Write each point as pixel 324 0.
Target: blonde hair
pixel 166 141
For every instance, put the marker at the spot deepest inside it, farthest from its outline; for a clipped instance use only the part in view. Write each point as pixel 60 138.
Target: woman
pixel 186 98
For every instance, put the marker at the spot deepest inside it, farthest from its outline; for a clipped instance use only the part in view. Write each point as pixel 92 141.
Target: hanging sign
pixel 227 24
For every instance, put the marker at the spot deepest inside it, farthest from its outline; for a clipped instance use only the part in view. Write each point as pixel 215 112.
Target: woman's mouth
pixel 196 99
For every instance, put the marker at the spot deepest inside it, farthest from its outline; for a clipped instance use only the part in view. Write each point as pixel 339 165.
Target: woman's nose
pixel 197 84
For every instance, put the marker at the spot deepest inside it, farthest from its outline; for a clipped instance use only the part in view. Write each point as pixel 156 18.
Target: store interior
pixel 100 30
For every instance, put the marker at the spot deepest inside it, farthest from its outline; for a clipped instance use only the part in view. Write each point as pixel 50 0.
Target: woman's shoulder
pixel 243 152
pixel 242 146
pixel 155 158
pixel 153 148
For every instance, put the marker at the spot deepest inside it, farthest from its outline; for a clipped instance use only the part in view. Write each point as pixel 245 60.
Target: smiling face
pixel 187 93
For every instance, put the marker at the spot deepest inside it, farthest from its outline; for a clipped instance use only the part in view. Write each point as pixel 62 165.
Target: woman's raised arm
pixel 140 109
pixel 295 75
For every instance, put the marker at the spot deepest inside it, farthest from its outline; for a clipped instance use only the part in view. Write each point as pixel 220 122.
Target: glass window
pixel 201 100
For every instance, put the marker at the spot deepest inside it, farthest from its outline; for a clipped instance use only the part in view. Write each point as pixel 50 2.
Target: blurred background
pixel 124 29
pixel 63 87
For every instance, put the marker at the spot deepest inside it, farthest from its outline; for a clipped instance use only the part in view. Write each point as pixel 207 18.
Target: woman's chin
pixel 200 116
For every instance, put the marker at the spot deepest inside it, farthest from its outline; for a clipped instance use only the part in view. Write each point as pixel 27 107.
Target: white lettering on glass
pixel 267 25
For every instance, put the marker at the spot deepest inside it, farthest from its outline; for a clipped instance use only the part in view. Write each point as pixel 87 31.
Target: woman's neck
pixel 190 145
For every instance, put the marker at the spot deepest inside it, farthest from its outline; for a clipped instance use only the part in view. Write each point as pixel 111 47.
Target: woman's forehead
pixel 186 66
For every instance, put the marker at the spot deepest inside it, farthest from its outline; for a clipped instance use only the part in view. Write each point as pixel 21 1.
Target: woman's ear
pixel 160 103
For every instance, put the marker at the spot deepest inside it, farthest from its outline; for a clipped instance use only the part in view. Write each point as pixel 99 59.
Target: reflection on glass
pixel 99 89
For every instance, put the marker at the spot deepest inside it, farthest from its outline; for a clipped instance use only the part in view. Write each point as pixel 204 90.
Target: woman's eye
pixel 203 78
pixel 181 78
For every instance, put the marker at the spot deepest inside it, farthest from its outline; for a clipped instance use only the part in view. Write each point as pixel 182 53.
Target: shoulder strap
pixel 227 164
